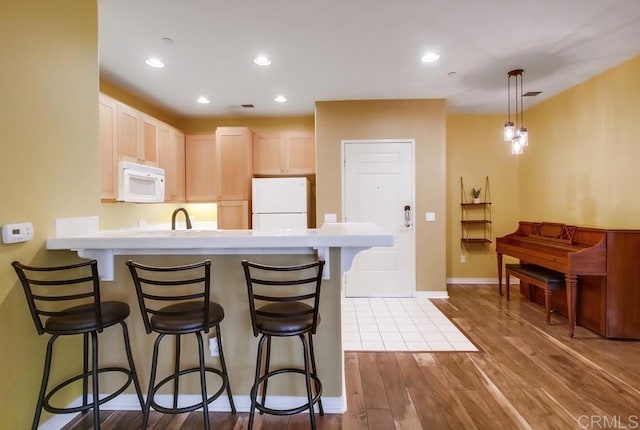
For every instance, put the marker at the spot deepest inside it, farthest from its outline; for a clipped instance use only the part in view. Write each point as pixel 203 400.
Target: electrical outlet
pixel 463 258
pixel 213 346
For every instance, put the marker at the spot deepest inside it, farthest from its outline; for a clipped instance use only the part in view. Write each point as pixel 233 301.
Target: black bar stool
pixel 277 311
pixel 188 289
pixel 64 301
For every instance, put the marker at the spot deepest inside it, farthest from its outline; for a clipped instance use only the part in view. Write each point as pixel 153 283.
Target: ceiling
pixel 357 49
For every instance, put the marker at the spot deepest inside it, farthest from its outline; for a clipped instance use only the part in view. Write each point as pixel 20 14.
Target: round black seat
pixel 188 289
pixel 77 310
pixel 283 301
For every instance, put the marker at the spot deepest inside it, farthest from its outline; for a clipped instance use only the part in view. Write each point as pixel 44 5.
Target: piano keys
pixel 601 267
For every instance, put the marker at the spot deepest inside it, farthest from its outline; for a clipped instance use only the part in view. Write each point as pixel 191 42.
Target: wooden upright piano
pixel 601 267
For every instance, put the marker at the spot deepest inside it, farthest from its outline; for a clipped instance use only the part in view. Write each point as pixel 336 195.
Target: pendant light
pixel 516 133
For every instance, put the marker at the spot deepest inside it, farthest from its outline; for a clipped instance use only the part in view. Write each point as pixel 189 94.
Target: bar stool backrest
pixel 273 284
pixel 157 287
pixel 59 291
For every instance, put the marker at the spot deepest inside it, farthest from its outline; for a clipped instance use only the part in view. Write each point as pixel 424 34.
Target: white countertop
pixel 329 235
pixel 104 244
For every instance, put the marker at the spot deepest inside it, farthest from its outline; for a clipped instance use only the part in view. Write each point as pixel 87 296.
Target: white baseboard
pixel 472 281
pixel 129 402
pixel 432 295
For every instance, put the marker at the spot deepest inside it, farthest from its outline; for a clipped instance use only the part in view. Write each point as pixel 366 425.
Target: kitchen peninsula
pixel 336 243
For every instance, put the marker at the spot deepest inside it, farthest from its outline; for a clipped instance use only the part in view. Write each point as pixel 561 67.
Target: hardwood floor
pixel 526 376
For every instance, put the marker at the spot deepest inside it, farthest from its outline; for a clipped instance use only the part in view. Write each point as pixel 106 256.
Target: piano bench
pixel 547 279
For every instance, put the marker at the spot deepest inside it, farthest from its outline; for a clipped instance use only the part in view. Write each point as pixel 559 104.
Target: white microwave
pixel 140 183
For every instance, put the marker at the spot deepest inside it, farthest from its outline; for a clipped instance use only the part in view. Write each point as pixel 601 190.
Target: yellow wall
pixel 422 120
pixel 581 163
pixel 49 124
pixel 475 150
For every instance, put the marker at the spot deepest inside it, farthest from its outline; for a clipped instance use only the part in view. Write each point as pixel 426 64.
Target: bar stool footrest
pixel 190 408
pixel 292 411
pixel 70 410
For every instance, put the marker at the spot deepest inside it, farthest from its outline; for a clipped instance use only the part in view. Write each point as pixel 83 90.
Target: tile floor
pixel 398 324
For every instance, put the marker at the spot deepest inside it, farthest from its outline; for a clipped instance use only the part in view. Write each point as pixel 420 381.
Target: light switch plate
pixel 19 232
pixel 431 216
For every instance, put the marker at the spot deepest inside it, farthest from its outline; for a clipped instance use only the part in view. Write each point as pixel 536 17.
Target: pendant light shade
pixel 509 131
pixel 516 133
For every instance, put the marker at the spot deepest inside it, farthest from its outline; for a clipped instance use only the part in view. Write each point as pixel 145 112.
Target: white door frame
pixel 412 143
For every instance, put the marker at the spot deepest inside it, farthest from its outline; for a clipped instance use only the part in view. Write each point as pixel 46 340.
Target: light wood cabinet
pixel 201 179
pixel 284 153
pixel 107 113
pixel 136 136
pixel 219 169
pixel 234 162
pixel 171 157
pixel 299 153
pixel 233 215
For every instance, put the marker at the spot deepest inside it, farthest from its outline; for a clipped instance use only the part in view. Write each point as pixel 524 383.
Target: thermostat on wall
pixel 20 232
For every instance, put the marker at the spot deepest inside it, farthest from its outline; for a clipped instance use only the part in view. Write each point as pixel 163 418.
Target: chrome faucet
pixel 186 216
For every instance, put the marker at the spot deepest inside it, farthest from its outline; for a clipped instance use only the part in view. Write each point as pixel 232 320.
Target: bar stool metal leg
pixel 254 388
pixel 315 372
pixel 152 381
pixel 85 370
pixel 43 385
pixel 132 366
pixel 203 381
pixel 223 365
pixel 176 372
pixel 94 376
pixel 266 370
pixel 307 377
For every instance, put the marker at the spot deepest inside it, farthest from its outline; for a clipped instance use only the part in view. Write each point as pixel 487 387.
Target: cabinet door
pixel 148 150
pixel 107 112
pixel 299 153
pixel 234 162
pixel 200 167
pixel 171 158
pixel 178 140
pixel 165 160
pixel 127 136
pixel 233 215
pixel 268 153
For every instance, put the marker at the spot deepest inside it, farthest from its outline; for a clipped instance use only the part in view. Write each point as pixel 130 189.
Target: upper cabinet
pixel 234 162
pixel 218 169
pixel 107 112
pixel 171 157
pixel 200 168
pixel 130 135
pixel 284 153
pixel 137 136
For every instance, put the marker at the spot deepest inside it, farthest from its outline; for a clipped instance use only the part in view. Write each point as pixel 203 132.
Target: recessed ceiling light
pixel 430 57
pixel 154 62
pixel 262 60
pixel 280 99
pixel 203 100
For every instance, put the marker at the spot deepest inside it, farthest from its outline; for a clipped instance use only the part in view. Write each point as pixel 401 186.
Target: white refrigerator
pixel 280 204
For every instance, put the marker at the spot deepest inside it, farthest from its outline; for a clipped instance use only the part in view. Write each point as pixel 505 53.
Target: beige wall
pixel 209 124
pixel 422 120
pixel 49 124
pixel 582 161
pixel 475 150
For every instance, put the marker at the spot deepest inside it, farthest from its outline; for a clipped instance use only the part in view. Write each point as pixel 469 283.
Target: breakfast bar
pixel 336 243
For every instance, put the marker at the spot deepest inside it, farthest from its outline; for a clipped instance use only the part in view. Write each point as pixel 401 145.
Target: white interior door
pixel 378 188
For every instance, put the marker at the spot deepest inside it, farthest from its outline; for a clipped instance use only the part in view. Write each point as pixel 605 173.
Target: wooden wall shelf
pixel 476 217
